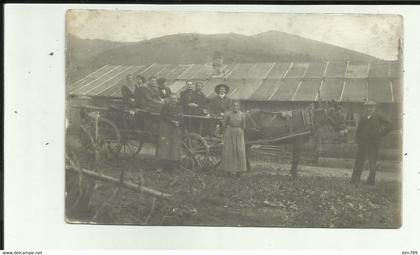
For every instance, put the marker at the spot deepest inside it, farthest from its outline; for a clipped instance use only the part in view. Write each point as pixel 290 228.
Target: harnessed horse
pixel 266 125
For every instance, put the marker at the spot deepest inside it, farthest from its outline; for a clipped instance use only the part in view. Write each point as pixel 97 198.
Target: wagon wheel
pixel 106 134
pixel 194 152
pixel 215 155
pixel 80 150
pixel 80 144
pixel 131 144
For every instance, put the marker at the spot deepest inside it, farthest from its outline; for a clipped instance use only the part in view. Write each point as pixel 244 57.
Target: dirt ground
pixel 267 197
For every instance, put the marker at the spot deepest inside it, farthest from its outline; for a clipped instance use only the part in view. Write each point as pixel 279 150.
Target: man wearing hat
pixel 221 103
pixel 371 128
pixel 164 91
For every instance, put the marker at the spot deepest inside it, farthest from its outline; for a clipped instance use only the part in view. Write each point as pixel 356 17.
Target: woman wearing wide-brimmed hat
pixel 220 103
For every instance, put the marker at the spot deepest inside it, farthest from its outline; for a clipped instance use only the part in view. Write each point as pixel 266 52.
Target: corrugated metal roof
pixel 315 70
pixel 331 89
pixel 297 70
pixel 378 70
pixel 308 90
pixel 190 72
pixel 240 71
pixel 259 71
pixel 336 69
pixel 278 71
pixel 355 90
pixel 266 90
pixel 153 70
pixel 376 91
pixel 286 89
pixel 245 88
pixel 345 81
pixel 357 70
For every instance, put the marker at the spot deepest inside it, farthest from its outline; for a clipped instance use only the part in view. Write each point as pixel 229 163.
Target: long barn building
pixel 272 86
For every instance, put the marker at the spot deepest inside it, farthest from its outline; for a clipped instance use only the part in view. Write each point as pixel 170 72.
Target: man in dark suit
pixel 200 99
pixel 127 92
pixel 139 91
pixel 188 99
pixel 164 91
pixel 371 128
pixel 151 98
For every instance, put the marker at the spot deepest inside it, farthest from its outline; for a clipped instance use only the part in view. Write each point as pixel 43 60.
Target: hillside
pixel 85 56
pixel 294 44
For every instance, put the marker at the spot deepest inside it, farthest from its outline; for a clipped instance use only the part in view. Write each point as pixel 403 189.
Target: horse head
pixel 330 114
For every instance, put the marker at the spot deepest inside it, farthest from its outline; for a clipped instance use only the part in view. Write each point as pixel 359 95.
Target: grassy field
pixel 267 197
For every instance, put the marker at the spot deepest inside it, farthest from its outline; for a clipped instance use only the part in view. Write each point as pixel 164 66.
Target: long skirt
pixel 233 153
pixel 169 142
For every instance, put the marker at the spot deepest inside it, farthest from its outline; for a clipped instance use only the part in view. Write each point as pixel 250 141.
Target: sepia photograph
pixel 233 119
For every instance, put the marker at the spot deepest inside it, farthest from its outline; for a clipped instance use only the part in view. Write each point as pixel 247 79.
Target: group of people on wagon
pixel 151 95
pixel 155 96
pixel 148 95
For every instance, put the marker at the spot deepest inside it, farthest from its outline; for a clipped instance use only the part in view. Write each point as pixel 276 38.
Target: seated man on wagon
pixel 200 99
pixel 139 91
pixel 127 92
pixel 188 100
pixel 151 98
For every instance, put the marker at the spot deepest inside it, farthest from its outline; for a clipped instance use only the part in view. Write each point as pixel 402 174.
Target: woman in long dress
pixel 233 153
pixel 168 151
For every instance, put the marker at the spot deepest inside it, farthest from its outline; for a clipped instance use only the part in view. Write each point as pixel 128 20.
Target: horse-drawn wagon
pixel 122 132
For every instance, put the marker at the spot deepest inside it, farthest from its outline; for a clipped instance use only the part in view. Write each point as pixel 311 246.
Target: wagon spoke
pixel 130 148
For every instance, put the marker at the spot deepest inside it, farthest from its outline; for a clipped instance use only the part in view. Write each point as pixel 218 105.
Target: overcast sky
pixel 376 35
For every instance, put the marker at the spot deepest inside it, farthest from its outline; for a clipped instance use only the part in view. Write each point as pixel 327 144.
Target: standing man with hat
pixel 221 103
pixel 371 128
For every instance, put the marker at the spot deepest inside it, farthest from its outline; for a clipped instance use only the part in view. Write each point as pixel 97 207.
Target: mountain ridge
pixel 86 55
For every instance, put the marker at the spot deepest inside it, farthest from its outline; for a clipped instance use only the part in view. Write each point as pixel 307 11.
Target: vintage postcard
pixel 233 119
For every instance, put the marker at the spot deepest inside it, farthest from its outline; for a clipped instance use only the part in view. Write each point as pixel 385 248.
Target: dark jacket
pixel 187 97
pixel 370 130
pixel 139 93
pixel 164 92
pixel 201 100
pixel 170 113
pixel 170 136
pixel 126 94
pixel 151 100
pixel 218 105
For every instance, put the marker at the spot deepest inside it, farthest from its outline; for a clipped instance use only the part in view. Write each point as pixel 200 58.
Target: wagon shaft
pixel 117 182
